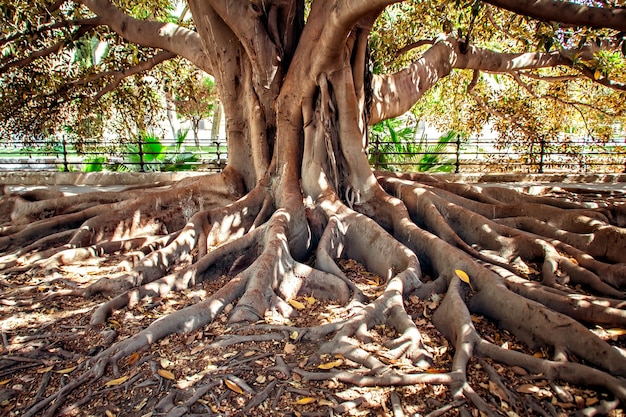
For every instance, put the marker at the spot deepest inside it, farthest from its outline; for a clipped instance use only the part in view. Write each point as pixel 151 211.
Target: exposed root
pixel 419 244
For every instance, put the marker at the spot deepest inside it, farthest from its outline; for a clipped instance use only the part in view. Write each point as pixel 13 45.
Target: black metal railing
pixel 483 155
pixel 92 155
pixel 473 155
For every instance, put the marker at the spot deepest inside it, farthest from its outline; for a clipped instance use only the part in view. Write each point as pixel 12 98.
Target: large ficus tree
pixel 298 90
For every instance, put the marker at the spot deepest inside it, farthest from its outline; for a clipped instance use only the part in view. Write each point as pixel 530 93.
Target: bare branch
pixel 51 26
pixel 607 82
pixel 7 64
pixel 118 76
pixel 566 12
pixel 550 78
pixel 167 36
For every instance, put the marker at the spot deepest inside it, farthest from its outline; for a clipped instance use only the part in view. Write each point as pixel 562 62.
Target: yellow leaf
pixel 538 355
pixel 616 332
pixel 435 371
pixel 66 370
pixel 597 74
pixel 166 374
pixel 293 335
pixel 114 324
pixel 116 382
pixel 109 413
pixel 296 304
pixel 233 387
pixel 6 381
pixel 462 275
pixel 330 365
pixel 311 300
pixel 44 370
pixel 305 400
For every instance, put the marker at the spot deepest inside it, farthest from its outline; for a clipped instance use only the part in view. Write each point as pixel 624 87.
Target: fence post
pixel 65 163
pixel 542 150
pixel 376 151
pixel 141 163
pixel 218 155
pixel 457 163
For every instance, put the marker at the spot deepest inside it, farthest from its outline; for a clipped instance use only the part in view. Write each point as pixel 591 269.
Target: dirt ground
pixel 226 370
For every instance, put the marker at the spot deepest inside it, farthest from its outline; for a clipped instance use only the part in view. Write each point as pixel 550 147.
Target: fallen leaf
pixel 133 358
pixel 330 365
pixel 289 348
pixel 296 304
pixel 109 413
pixel 249 353
pixel 166 363
pixel 293 335
pixel 518 370
pixel 66 370
pixel 114 324
pixel 141 404
pixel 591 401
pixel 44 370
pixel 6 381
pixel 462 275
pixel 233 387
pixel 497 391
pixel 115 382
pixel 324 402
pixel 261 379
pixel 616 332
pixel 527 389
pixel 435 371
pixel 597 74
pixel 164 373
pixel 311 300
pixel 305 400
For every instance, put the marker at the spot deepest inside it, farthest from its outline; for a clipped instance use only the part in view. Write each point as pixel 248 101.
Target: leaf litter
pixel 46 341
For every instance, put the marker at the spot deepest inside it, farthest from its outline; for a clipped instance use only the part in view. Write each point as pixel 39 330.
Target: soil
pixel 234 370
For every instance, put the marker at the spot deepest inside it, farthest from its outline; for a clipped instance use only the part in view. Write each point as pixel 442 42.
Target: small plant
pixel 394 145
pixel 151 155
pixel 94 164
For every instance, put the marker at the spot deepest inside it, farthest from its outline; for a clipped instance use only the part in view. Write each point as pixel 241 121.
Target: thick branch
pixel 396 93
pixel 566 12
pixel 168 36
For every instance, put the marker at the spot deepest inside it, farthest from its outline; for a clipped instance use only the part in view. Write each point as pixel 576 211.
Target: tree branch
pixel 51 26
pixel 6 64
pixel 394 94
pixel 566 12
pixel 118 76
pixel 168 36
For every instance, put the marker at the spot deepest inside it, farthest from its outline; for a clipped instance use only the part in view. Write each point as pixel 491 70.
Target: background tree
pixel 298 94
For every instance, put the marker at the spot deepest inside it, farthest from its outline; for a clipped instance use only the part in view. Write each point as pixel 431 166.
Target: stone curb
pixel 42 178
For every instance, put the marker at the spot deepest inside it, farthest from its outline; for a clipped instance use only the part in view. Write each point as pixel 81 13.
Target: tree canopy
pixel 64 66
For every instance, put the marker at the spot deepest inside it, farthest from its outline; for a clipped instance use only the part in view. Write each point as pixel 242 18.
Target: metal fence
pixel 473 155
pixel 93 155
pixel 487 155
